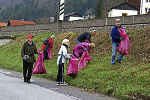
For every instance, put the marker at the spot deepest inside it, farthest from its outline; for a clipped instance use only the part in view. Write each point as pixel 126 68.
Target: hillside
pixel 37 9
pixel 125 81
pixel 28 9
pixel 83 7
pixel 8 3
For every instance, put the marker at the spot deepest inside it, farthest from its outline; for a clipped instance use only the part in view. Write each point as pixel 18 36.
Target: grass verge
pixel 125 81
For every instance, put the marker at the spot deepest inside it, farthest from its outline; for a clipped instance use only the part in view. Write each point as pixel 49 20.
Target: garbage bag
pixel 123 47
pixel 72 69
pixel 49 53
pixel 85 57
pixel 39 67
pixel 88 58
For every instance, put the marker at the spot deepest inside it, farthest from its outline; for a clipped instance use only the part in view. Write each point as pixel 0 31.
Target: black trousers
pixel 60 75
pixel 45 54
pixel 45 51
pixel 27 68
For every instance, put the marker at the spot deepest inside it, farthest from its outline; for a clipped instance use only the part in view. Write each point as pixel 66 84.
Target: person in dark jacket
pixel 85 36
pixel 116 41
pixel 27 53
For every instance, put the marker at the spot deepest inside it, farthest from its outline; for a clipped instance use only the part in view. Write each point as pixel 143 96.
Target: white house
pixel 145 7
pixel 73 16
pixel 123 9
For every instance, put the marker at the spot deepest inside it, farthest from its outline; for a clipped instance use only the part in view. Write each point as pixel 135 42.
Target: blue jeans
pixel 114 52
pixel 78 42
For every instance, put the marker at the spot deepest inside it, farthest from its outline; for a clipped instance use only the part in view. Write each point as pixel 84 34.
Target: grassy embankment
pixel 124 81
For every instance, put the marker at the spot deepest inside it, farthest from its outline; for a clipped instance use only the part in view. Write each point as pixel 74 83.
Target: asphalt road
pixel 12 87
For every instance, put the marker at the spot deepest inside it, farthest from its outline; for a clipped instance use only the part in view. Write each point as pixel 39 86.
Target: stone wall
pixel 79 26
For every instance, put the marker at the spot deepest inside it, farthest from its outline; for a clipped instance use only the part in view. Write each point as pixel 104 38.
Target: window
pixel 124 14
pixel 147 10
pixel 147 0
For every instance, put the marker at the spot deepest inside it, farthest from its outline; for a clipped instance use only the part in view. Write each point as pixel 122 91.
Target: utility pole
pixel 106 11
pixel 60 15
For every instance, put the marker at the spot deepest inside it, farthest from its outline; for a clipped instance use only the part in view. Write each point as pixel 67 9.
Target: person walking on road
pixel 116 41
pixel 27 53
pixel 86 36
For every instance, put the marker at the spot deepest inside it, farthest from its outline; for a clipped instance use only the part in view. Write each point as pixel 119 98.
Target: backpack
pixel 46 41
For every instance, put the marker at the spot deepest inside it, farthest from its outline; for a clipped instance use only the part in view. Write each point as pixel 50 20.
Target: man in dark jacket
pixel 116 41
pixel 27 53
pixel 85 36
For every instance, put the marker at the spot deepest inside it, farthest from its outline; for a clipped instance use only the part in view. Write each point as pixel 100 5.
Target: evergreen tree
pixel 38 9
pixel 80 6
pixel 103 7
pixel 100 9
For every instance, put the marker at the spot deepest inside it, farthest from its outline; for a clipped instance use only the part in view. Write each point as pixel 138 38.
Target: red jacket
pixel 49 42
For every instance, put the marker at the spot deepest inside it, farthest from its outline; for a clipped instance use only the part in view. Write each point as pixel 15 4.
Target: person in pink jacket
pixel 80 48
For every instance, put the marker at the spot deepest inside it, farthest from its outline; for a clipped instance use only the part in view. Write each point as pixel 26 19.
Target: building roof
pixel 72 14
pixel 20 22
pixel 124 6
pixel 3 24
pixel 135 3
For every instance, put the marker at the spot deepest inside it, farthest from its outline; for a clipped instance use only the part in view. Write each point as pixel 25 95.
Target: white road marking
pixel 5 72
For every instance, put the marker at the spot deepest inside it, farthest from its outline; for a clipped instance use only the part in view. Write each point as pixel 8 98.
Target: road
pixel 12 87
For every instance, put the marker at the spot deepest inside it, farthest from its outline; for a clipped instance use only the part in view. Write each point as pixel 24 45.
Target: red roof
pixel 20 22
pixel 3 24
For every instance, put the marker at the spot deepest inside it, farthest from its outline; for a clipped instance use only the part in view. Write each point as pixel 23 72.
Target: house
pixel 145 7
pixel 3 24
pixel 72 16
pixel 52 19
pixel 142 5
pixel 20 22
pixel 124 9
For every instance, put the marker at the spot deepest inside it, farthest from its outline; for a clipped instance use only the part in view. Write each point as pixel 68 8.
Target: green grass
pixel 131 78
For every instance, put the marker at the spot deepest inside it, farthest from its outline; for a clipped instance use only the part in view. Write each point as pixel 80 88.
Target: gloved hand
pixel 39 53
pixel 121 38
pixel 25 57
pixel 70 56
